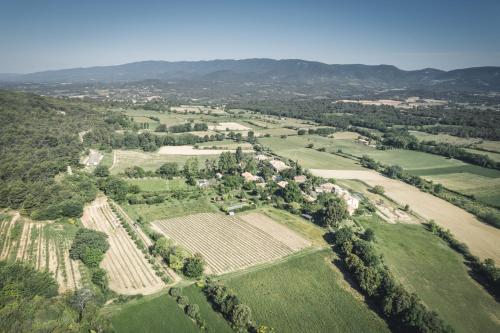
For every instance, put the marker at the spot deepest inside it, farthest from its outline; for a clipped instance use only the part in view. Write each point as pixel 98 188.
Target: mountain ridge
pixel 267 70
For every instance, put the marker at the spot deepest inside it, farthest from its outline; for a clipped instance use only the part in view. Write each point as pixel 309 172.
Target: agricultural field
pixel 148 161
pixel 426 265
pixel 453 174
pixel 308 158
pixel 481 238
pixel 170 208
pixel 44 245
pixel 158 184
pixel 192 151
pixel 225 144
pixel 129 271
pixel 306 293
pixel 155 313
pixel 484 189
pixel 231 243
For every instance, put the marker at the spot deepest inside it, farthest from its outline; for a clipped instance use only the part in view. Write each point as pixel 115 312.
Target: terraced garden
pixel 43 245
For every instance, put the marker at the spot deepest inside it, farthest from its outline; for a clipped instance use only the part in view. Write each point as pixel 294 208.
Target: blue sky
pixel 39 34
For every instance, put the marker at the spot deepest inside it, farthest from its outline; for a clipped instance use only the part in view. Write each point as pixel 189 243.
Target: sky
pixel 446 34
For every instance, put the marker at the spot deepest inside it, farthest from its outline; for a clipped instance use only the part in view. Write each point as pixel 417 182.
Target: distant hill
pixel 296 71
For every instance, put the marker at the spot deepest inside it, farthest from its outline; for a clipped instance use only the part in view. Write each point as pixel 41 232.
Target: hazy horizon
pixel 50 35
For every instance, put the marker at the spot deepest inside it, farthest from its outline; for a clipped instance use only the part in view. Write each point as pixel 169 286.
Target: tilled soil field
pixel 231 243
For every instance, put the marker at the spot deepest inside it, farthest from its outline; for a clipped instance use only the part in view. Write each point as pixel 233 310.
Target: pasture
pixel 156 313
pixel 148 161
pixel 128 270
pixel 426 265
pixel 231 243
pixel 158 184
pixel 43 245
pixel 306 293
pixel 170 208
pixel 293 148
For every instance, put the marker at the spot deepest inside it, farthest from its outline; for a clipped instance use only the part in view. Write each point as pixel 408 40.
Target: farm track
pixel 128 269
pixel 226 243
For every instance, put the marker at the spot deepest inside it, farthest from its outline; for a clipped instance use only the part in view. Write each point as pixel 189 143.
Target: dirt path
pixel 8 242
pixel 115 160
pixel 482 239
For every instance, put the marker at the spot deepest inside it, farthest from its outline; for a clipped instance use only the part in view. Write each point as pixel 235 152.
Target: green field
pixel 484 189
pixel 214 321
pixel 158 184
pixel 301 226
pixel 150 161
pixel 456 175
pixel 153 314
pixel 305 294
pixel 427 266
pixel 308 158
pixel 494 156
pixel 170 209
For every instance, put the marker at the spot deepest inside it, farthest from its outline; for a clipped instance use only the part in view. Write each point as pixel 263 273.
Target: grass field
pixel 153 314
pixel 453 174
pixel 305 228
pixel 214 321
pixel 305 294
pixel 494 156
pixel 484 189
pixel 158 184
pixel 170 209
pixel 427 266
pixel 149 161
pixel 308 158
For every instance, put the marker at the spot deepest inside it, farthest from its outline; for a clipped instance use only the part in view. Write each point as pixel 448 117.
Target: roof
pixel 279 165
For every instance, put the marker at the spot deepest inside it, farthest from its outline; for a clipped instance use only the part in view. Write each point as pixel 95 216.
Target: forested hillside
pixel 39 139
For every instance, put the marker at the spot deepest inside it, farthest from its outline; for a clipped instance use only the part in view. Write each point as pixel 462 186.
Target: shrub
pixel 182 300
pixel 175 292
pixel 193 310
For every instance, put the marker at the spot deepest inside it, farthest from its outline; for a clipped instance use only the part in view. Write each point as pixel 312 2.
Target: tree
pixel 194 266
pixel 168 170
pixel 369 235
pixel 193 311
pixel 239 154
pixel 378 189
pixel 191 170
pixel 101 171
pixel 334 211
pixel 227 164
pixel 241 315
pixel 89 246
pixel 292 193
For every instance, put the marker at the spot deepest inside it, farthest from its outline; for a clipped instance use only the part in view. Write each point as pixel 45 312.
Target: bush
pixel 194 266
pixel 175 292
pixel 89 246
pixel 193 310
pixel 182 300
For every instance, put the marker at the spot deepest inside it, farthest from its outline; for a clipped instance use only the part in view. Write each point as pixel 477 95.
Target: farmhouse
pixel 282 183
pixel 300 179
pixel 352 202
pixel 279 165
pixel 261 157
pixel 251 178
